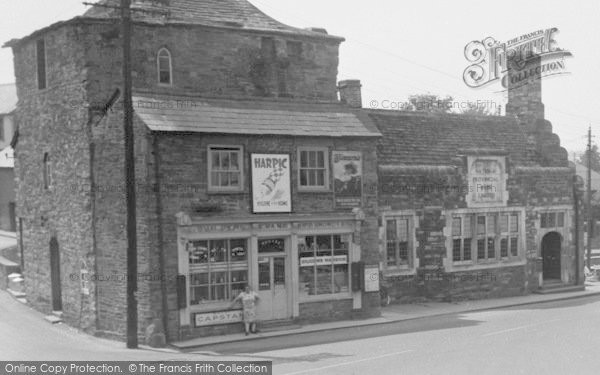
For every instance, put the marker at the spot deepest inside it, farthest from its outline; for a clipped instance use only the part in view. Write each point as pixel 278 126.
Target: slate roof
pixel 8 98
pixel 200 115
pixel 417 138
pixel 218 13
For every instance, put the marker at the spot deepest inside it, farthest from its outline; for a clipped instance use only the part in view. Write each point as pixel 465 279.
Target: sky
pixel 398 48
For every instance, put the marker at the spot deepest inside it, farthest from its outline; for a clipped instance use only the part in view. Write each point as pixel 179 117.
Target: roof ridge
pixel 238 14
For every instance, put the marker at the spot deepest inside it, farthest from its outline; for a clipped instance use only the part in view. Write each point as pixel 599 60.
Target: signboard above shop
pixel 271 183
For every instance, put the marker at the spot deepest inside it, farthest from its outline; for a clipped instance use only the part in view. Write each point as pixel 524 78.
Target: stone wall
pixel 55 121
pixel 215 62
pixel 183 180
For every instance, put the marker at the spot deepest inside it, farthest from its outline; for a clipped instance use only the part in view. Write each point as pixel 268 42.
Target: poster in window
pixel 271 183
pixel 347 178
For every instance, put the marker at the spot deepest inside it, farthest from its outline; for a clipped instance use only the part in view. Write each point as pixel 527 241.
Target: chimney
pixel 524 83
pixel 350 92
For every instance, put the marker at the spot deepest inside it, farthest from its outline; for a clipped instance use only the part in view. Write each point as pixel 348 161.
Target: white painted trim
pixel 411 268
pixel 241 160
pixel 314 189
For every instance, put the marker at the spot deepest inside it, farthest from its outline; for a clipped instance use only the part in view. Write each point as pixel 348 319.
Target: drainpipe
pixel 576 203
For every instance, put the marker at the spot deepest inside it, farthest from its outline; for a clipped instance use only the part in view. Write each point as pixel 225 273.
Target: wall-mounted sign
pixel 487 181
pixel 347 178
pixel 271 183
pixel 325 260
pixel 220 317
pixel 371 278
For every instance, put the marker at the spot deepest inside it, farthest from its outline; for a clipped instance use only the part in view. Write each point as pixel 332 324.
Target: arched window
pixel 164 67
pixel 47 171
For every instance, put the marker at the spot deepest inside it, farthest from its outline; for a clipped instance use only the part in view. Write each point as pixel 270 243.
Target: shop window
pixel 165 69
pixel 225 166
pixel 313 169
pixel 493 237
pixel 323 262
pixel 218 269
pixel 398 235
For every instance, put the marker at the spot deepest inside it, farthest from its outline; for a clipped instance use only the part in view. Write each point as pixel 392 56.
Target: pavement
pixel 397 313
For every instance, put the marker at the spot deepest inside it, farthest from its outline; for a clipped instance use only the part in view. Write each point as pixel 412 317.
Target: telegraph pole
pixel 590 217
pixel 130 185
pixel 132 316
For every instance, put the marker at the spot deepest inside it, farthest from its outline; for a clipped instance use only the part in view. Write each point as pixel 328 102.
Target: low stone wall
pixel 456 286
pixel 6 268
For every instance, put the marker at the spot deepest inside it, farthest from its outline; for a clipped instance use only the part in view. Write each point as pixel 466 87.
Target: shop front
pixel 288 260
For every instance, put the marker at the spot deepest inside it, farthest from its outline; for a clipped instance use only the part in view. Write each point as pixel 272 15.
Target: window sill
pixel 395 271
pixel 470 266
pixel 314 191
pixel 224 192
pixel 214 307
pixel 325 297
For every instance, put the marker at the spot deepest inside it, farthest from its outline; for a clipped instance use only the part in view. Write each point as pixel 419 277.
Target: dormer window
pixel 164 67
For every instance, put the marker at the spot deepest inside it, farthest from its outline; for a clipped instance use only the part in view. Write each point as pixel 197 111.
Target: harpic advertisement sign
pixel 347 178
pixel 487 182
pixel 271 183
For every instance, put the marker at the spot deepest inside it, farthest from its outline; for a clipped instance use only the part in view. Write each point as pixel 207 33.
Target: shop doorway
pixel 551 252
pixel 273 280
pixel 55 275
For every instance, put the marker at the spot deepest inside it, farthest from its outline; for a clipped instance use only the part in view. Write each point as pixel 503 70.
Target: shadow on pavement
pixel 332 336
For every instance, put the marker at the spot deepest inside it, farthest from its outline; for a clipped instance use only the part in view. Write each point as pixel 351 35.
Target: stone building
pixel 249 170
pixel 8 104
pixel 477 206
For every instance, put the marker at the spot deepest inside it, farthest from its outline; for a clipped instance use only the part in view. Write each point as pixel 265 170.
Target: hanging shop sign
pixel 271 183
pixel 347 178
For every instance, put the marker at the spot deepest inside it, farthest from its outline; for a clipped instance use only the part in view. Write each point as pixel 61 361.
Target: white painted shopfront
pixel 287 259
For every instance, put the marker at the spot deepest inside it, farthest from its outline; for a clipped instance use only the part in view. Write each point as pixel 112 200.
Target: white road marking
pixel 519 328
pixel 349 363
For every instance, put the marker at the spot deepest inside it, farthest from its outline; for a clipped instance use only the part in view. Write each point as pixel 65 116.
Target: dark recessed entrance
pixel 55 275
pixel 551 248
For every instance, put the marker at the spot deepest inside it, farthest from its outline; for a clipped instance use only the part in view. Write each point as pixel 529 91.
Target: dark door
pixel 55 275
pixel 551 245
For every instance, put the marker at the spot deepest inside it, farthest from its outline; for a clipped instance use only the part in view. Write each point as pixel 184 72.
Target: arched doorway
pixel 551 252
pixel 55 275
